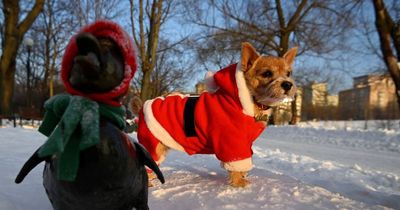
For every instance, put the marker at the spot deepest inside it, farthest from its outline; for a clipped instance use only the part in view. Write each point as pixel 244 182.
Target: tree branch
pixel 281 16
pixel 30 18
pixel 298 15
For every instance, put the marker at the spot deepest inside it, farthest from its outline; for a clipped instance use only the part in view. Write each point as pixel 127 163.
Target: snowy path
pixel 372 150
pixel 199 183
pixel 16 146
pixel 294 168
pixel 376 160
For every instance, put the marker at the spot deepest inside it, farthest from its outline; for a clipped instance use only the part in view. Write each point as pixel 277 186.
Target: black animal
pixel 112 174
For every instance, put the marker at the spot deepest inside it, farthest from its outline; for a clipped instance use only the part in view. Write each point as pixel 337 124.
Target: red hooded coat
pixel 224 122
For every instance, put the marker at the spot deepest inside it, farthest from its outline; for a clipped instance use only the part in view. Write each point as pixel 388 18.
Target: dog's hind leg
pixel 146 159
pixel 161 152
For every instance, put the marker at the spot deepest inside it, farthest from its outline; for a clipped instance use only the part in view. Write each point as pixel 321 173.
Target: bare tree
pixel 52 30
pixel 164 63
pixel 87 11
pixel 1 25
pixel 13 33
pixel 50 33
pixel 172 70
pixel 147 39
pixel 272 26
pixel 389 38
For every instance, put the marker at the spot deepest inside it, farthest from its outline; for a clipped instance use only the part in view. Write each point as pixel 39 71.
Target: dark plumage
pixel 111 174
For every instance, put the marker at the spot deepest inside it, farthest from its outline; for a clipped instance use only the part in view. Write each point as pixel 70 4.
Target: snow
pixel 310 166
pixel 382 125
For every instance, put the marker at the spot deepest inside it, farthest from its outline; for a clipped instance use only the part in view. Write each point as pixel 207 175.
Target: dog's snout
pixel 286 85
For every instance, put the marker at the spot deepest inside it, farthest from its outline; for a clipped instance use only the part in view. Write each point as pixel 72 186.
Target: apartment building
pixel 372 97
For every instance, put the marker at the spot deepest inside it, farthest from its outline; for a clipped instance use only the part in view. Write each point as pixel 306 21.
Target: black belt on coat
pixel 188 117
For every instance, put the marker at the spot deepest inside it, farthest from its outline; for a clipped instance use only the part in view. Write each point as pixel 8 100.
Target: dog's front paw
pixel 238 179
pixel 242 182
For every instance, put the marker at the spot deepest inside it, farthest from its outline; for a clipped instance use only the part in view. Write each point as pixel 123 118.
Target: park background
pixel 340 151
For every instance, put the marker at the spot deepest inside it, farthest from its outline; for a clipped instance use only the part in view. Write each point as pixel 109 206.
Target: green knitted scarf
pixel 72 125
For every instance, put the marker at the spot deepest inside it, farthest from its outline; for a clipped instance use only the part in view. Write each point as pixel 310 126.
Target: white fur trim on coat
pixel 240 165
pixel 244 93
pixel 210 82
pixel 156 129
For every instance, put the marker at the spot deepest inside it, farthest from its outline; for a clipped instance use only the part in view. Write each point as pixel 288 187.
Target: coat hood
pixel 231 81
pixel 113 31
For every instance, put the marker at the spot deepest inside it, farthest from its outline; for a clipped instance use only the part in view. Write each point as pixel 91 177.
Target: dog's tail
pixel 147 160
pixel 136 105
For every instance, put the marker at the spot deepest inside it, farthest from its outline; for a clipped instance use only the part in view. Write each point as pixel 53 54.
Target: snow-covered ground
pixel 310 166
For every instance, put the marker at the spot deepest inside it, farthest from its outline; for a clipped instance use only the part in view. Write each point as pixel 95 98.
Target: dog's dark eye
pixel 289 73
pixel 267 74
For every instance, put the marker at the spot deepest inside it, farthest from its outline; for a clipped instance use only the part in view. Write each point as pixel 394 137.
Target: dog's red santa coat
pixel 224 122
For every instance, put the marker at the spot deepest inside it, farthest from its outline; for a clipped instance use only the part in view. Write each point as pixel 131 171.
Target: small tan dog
pixel 224 121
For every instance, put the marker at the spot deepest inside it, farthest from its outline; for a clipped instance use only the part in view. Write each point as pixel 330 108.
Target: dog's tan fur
pixel 238 178
pixel 261 86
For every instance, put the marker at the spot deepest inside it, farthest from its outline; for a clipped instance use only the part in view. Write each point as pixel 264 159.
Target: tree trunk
pixel 283 44
pixel 285 30
pixel 6 90
pixel 284 47
pixel 384 26
pixel 148 51
pixel 295 115
pixel 145 92
pixel 14 31
pixel 7 69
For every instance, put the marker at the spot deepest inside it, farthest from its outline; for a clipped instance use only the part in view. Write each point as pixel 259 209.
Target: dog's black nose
pixel 286 85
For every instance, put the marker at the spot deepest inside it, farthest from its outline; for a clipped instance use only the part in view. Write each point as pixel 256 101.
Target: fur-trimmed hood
pixel 231 81
pixel 113 31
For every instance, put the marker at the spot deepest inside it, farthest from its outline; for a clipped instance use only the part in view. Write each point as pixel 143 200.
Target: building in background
pixel 317 104
pixel 372 97
pixel 316 94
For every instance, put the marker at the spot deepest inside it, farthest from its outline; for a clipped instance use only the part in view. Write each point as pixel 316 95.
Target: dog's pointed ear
pixel 249 56
pixel 290 55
